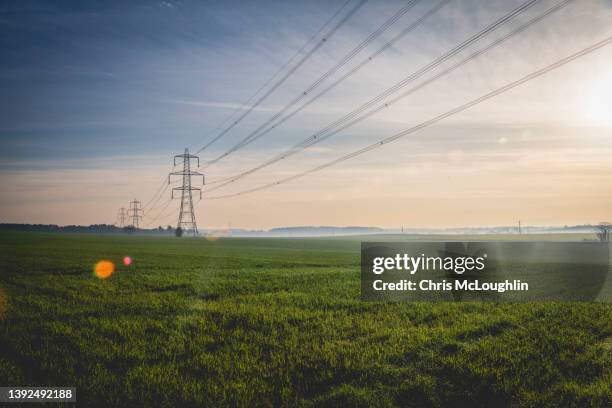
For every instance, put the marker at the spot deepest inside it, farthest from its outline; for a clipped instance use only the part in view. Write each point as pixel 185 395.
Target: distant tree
pixel 178 232
pixel 169 228
pixel 160 228
pixel 603 231
pixel 130 229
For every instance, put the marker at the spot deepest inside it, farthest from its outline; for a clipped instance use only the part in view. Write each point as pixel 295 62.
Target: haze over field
pixel 97 99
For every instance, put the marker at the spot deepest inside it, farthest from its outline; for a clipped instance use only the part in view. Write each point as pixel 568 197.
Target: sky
pixel 98 96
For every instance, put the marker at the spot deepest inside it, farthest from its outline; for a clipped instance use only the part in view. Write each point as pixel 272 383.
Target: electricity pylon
pixel 186 219
pixel 136 212
pixel 121 217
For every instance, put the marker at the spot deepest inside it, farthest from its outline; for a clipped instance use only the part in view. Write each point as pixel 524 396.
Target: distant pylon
pixel 186 219
pixel 135 212
pixel 121 217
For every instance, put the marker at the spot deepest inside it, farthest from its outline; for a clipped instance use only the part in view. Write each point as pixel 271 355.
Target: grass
pixel 276 322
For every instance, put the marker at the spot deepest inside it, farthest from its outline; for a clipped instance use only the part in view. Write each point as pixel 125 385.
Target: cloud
pixel 223 105
pixel 111 84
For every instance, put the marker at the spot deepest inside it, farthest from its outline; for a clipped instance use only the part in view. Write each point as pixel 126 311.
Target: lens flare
pixel 104 269
pixel 127 260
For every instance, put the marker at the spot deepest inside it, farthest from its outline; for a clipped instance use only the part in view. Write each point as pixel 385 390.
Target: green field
pixel 276 322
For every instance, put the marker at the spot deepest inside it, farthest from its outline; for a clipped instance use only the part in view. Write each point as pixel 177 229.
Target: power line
pixel 287 74
pixel 345 60
pixel 166 215
pixel 277 73
pixel 161 214
pixel 345 76
pixel 163 186
pixel 434 120
pixel 153 205
pixel 329 131
pixel 158 193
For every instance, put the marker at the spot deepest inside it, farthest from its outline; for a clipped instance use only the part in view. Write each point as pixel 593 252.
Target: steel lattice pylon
pixel 186 219
pixel 122 216
pixel 135 212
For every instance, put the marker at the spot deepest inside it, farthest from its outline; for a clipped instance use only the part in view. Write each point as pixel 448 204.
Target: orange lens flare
pixel 104 269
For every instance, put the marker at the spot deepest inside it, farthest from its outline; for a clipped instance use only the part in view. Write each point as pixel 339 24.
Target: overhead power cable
pixel 161 215
pixel 151 220
pixel 321 135
pixel 154 206
pixel 345 60
pixel 158 192
pixel 277 73
pixel 345 76
pixel 422 125
pixel 288 73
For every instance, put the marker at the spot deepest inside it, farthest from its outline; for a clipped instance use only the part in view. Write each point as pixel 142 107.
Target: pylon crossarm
pixel 175 157
pixel 185 188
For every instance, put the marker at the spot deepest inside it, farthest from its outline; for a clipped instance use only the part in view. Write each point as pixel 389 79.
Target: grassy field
pixel 276 322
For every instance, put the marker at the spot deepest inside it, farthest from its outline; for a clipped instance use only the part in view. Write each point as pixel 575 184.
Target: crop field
pixel 277 322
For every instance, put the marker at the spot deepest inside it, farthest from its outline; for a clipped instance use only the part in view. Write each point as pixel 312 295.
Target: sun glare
pixel 597 104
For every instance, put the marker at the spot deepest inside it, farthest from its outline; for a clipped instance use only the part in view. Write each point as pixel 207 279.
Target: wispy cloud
pixel 103 91
pixel 224 105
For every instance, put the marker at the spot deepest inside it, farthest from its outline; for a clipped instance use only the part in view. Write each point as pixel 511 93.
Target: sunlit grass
pixel 276 322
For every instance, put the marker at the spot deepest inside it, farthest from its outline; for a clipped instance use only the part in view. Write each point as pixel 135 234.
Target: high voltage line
pixel 287 74
pixel 162 207
pixel 163 187
pixel 161 215
pixel 434 120
pixel 278 72
pixel 329 130
pixel 150 206
pixel 339 80
pixel 345 60
pixel 153 205
pixel 364 111
pixel 159 193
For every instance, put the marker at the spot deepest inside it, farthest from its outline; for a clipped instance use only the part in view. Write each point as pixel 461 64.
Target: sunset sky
pixel 97 98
